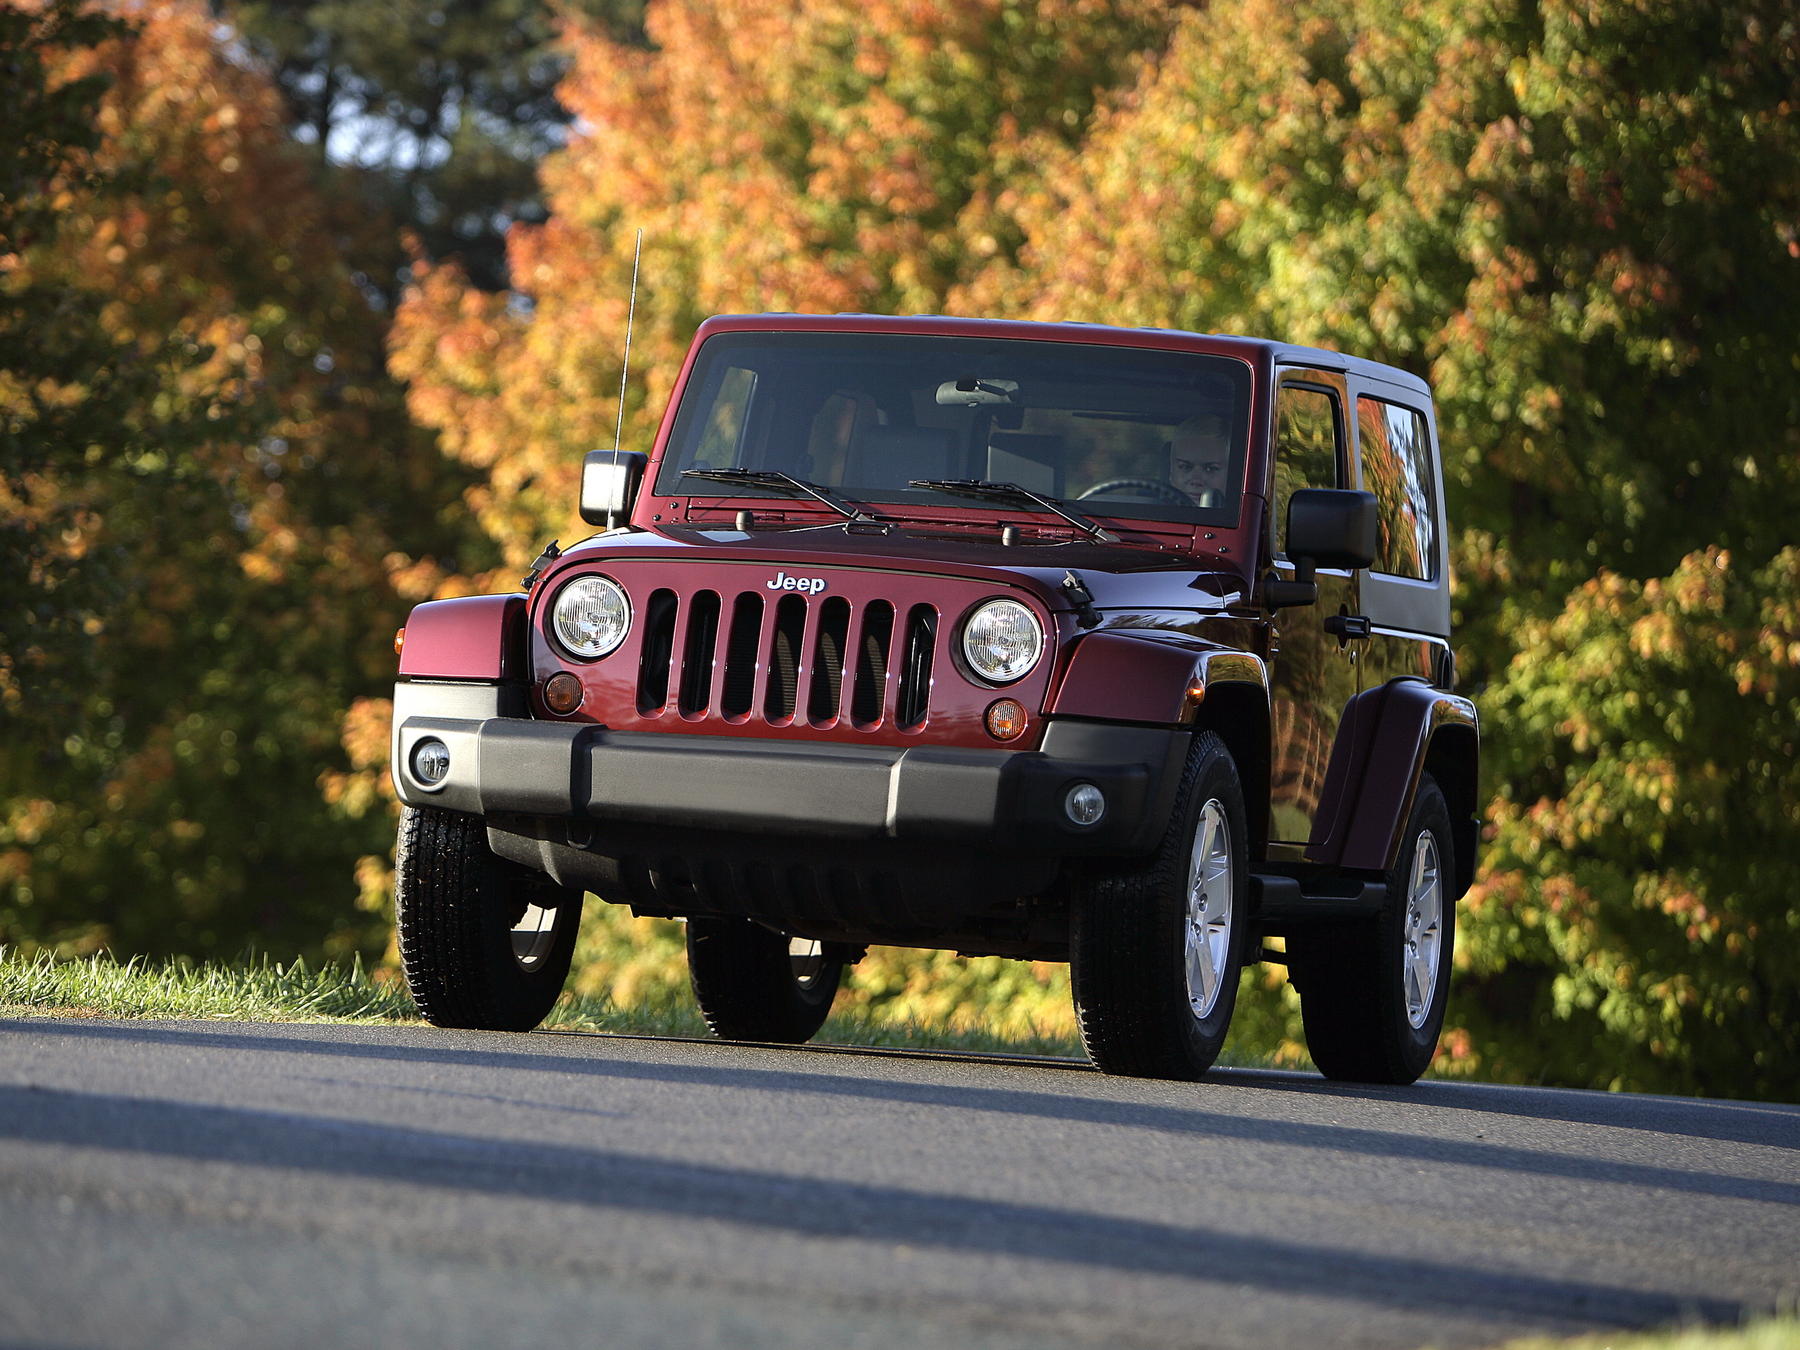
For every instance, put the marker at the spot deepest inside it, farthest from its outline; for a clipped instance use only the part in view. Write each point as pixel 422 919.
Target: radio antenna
pixel 625 366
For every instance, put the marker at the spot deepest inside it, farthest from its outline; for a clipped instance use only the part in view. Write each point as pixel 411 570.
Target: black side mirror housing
pixel 1334 527
pixel 1326 527
pixel 610 480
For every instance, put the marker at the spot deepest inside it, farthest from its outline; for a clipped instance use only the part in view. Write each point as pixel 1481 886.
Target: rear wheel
pixel 1155 951
pixel 754 984
pixel 485 942
pixel 1372 993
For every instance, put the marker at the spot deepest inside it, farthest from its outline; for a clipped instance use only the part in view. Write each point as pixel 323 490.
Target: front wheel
pixel 485 943
pixel 1155 951
pixel 1372 993
pixel 754 984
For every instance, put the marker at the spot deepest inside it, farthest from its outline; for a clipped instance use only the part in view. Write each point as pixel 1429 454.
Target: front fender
pixel 1390 736
pixel 1149 675
pixel 474 637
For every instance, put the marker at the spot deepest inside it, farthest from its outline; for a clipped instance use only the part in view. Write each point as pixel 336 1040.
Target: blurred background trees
pixel 213 498
pixel 1580 222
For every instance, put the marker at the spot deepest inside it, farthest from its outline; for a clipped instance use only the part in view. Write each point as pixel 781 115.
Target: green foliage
pixel 1638 906
pixel 1579 221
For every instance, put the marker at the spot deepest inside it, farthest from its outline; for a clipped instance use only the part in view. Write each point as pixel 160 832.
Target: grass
pixel 1774 1333
pixel 261 990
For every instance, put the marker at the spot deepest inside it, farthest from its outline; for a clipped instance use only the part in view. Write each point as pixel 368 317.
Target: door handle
pixel 1347 626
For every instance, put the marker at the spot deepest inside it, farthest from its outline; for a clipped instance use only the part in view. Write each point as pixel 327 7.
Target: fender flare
pixel 1154 675
pixel 1149 675
pixel 1389 738
pixel 473 637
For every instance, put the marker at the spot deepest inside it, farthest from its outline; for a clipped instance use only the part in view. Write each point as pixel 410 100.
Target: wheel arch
pixel 1238 712
pixel 1167 678
pixel 1452 758
pixel 1388 739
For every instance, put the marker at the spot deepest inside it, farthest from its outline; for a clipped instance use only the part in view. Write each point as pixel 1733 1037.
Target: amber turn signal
pixel 399 640
pixel 562 693
pixel 1005 719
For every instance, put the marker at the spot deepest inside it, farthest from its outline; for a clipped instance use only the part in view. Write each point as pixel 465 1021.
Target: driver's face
pixel 1197 464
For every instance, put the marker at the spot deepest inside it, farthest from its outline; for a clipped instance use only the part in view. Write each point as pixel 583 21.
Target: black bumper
pixel 512 765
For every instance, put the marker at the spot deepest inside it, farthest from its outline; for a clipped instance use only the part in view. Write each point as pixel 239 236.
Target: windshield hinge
pixel 550 554
pixel 1086 616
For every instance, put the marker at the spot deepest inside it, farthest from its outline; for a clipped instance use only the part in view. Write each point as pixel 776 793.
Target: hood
pixel 1116 574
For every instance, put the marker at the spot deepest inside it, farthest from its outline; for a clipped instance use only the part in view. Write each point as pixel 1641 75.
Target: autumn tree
pixel 223 437
pixel 824 156
pixel 44 328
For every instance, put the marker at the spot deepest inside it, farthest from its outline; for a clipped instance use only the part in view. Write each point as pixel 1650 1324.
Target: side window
pixel 1394 444
pixel 1307 436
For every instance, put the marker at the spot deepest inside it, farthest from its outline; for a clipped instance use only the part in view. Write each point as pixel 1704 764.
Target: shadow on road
pixel 1408 1146
pixel 810 1206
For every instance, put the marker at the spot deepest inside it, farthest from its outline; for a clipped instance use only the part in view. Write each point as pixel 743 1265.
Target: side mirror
pixel 609 485
pixel 1334 527
pixel 1326 527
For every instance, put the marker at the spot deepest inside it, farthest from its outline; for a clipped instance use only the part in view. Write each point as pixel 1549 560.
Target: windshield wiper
pixel 990 490
pixel 786 482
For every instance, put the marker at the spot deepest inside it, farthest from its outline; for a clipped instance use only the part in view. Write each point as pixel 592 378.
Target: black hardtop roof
pixel 1251 348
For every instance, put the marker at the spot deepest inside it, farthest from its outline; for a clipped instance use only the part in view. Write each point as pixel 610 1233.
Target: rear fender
pixel 1389 738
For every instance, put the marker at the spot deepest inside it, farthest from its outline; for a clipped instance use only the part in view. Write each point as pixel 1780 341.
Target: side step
pixel 1280 900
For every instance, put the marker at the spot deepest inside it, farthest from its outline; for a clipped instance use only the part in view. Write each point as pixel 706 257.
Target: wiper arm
pixel 776 479
pixel 1012 492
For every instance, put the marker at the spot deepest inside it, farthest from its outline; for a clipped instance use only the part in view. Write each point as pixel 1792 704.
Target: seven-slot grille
pixel 786 658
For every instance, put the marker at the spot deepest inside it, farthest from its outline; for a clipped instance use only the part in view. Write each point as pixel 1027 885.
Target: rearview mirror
pixel 609 485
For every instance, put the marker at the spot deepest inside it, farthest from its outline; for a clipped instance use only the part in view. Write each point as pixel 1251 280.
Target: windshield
pixel 1126 432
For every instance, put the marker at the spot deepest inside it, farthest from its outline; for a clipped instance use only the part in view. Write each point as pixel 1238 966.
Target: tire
pixel 754 984
pixel 485 942
pixel 1372 993
pixel 1155 951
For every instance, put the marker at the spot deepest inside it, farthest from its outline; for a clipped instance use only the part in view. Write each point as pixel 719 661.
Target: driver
pixel 1199 455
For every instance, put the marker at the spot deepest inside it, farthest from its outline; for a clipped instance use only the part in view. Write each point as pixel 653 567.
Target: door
pixel 1314 673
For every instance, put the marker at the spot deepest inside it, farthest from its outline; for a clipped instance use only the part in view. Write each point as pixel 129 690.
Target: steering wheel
pixel 1165 493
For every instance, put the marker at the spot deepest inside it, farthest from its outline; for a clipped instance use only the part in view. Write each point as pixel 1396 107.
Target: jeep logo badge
pixel 783 582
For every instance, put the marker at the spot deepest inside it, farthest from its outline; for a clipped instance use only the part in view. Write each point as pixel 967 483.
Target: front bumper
pixel 502 762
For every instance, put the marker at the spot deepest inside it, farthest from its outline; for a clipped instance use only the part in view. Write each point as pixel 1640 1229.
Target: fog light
pixel 1006 719
pixel 431 763
pixel 1084 804
pixel 562 693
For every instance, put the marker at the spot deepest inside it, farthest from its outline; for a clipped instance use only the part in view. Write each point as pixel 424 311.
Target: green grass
pixel 261 990
pixel 258 991
pixel 1774 1333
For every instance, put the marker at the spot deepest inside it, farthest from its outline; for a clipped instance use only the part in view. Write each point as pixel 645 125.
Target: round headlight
pixel 590 617
pixel 1002 641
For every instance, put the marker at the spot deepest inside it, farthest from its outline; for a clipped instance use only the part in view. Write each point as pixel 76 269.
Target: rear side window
pixel 1394 443
pixel 1306 448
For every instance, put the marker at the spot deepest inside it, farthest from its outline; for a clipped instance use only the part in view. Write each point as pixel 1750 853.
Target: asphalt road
pixel 220 1184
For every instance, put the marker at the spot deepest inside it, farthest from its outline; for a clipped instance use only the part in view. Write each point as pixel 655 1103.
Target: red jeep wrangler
pixel 1123 647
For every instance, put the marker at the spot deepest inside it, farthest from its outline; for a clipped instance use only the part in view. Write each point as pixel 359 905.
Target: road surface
pixel 234 1185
